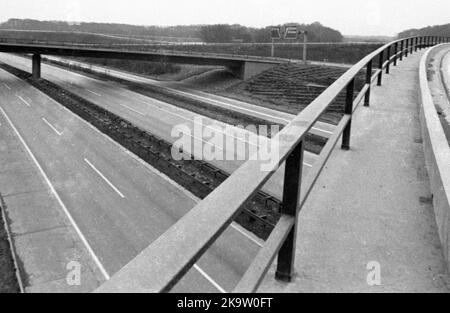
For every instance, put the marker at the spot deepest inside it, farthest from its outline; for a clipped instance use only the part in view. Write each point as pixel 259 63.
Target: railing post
pixel 380 66
pixel 411 46
pixel 395 53
pixel 291 195
pixel 406 48
pixel 388 57
pixel 348 110
pixel 369 82
pixel 416 44
pixel 402 48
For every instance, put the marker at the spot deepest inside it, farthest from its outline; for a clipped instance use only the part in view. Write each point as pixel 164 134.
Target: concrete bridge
pixel 377 219
pixel 241 66
pixel 372 215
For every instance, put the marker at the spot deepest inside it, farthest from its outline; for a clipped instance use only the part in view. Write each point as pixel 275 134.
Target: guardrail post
pixel 411 46
pixel 380 66
pixel 402 48
pixel 369 82
pixel 395 53
pixel 416 44
pixel 348 110
pixel 406 48
pixel 291 195
pixel 388 57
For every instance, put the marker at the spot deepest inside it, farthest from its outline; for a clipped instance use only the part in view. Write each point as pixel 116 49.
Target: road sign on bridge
pixel 275 32
pixel 291 33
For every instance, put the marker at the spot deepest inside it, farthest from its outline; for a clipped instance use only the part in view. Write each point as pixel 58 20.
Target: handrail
pixel 161 265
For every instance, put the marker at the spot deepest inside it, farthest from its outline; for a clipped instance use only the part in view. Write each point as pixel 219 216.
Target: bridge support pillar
pixel 249 69
pixel 36 68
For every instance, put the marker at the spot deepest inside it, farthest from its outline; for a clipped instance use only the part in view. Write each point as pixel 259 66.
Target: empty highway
pixel 157 117
pixel 117 204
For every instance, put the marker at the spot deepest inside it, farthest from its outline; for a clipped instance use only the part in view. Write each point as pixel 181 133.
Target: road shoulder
pixel 46 245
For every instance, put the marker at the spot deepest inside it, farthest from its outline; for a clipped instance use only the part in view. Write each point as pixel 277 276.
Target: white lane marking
pixel 231 105
pixel 93 92
pixel 126 106
pixel 104 178
pixel 6 86
pixel 323 130
pixel 52 127
pixel 242 108
pixel 206 126
pixel 63 206
pixel 259 244
pixel 212 281
pixel 23 100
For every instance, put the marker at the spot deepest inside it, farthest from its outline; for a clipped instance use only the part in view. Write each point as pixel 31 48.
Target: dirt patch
pixel 8 279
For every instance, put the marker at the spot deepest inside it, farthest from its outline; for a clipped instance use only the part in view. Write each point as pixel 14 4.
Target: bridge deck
pixel 373 203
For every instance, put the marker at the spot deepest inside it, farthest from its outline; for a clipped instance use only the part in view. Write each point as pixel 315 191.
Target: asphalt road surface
pixel 275 116
pixel 157 117
pixel 117 204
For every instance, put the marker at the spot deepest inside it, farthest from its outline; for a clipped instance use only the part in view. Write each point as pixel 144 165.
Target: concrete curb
pixel 437 156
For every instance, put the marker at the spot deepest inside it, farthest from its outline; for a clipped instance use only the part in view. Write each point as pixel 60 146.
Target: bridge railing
pixel 161 265
pixel 138 49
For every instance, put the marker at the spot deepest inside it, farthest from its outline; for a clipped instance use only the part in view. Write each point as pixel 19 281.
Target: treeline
pixel 223 33
pixel 438 30
pixel 103 28
pixel 228 33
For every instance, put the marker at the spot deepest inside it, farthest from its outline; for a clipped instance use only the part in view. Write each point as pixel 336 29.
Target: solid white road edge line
pixel 63 206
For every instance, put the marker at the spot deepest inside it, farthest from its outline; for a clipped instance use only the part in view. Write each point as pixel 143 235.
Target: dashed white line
pixel 6 86
pixel 52 127
pixel 93 92
pixel 24 101
pixel 136 111
pixel 212 281
pixel 104 178
pixel 242 108
pixel 63 206
pixel 207 126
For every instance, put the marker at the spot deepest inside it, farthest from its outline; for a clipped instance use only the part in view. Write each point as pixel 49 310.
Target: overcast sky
pixel 351 17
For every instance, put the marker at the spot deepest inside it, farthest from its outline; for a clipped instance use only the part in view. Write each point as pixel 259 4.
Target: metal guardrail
pixel 161 265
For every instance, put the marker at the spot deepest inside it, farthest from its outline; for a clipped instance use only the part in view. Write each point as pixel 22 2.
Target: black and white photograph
pixel 224 155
